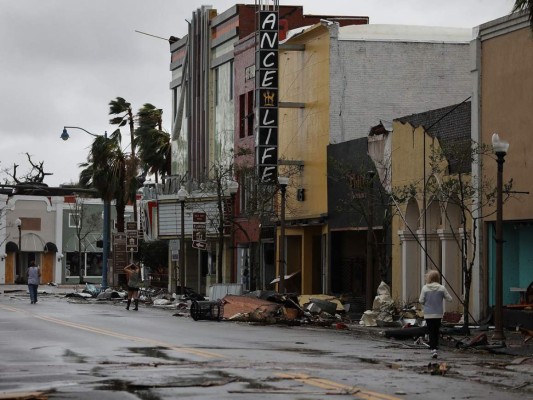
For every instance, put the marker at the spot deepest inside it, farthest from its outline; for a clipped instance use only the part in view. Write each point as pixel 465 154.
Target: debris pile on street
pixel 384 311
pixel 250 309
pixel 269 307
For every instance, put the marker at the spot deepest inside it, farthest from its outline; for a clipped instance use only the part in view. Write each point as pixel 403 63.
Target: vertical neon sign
pixel 267 77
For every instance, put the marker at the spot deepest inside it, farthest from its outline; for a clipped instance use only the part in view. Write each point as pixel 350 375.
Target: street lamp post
pixel 107 209
pixel 370 241
pixel 182 196
pixel 283 182
pixel 18 222
pixel 233 187
pixel 500 148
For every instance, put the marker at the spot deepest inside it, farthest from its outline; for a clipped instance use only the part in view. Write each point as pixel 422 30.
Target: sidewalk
pixel 515 344
pixel 43 289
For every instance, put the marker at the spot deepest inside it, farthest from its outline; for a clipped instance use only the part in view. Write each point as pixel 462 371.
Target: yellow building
pixel 332 92
pixel 427 231
pixel 303 139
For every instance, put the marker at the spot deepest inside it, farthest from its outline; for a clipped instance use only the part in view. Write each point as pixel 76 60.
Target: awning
pixel 50 247
pixel 11 247
pixel 31 242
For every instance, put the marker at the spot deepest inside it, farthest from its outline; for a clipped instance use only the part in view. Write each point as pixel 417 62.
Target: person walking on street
pixel 33 275
pixel 133 272
pixel 431 297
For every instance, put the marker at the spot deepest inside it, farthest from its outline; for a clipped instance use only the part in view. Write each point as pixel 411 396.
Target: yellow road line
pixel 327 384
pixel 88 328
pixel 9 308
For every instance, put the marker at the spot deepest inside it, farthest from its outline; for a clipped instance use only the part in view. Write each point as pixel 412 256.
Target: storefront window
pixel 91 264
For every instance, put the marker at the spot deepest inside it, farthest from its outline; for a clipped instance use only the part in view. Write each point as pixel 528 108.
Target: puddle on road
pixel 308 352
pixel 72 356
pixel 143 385
pixel 361 359
pixel 155 352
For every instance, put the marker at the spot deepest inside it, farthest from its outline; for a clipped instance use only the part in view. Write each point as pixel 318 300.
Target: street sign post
pixel 199 231
pixel 132 234
pixel 120 253
pixel 199 245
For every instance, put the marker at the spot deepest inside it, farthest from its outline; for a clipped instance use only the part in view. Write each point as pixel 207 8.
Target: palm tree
pixel 124 115
pixel 108 169
pixel 154 144
pixel 527 6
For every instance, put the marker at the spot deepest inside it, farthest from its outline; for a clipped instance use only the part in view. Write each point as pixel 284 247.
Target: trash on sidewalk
pixel 383 309
pixel 438 368
pixel 328 303
pixel 527 333
pixel 408 332
pixel 161 302
pixel 252 309
pixel 80 295
pixel 274 308
pixel 479 340
pixel 207 310
pixel 110 294
pixel 91 289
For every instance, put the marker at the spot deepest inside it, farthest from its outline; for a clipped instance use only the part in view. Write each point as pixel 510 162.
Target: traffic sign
pixel 132 244
pixel 199 232
pixel 199 236
pixel 199 217
pixel 120 238
pixel 199 245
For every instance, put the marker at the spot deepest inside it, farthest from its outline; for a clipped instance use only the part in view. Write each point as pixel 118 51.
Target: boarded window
pixel 30 224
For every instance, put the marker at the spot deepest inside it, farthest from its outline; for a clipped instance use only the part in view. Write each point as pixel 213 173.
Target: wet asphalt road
pixel 72 349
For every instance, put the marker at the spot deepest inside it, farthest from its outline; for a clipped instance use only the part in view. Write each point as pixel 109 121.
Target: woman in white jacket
pixel 431 298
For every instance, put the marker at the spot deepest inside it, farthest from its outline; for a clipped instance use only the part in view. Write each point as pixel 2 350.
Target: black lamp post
pixel 369 281
pixel 18 222
pixel 107 209
pixel 283 182
pixel 182 196
pixel 233 187
pixel 500 148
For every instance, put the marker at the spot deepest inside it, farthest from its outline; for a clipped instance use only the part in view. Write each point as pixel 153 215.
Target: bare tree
pixel 36 174
pixel 85 223
pixel 215 186
pixel 452 184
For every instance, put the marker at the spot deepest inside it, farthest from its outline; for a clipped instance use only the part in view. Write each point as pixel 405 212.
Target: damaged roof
pixel 451 125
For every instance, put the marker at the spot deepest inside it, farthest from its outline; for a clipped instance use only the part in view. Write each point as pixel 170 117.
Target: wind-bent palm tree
pixel 124 115
pixel 108 169
pixel 154 144
pixel 527 6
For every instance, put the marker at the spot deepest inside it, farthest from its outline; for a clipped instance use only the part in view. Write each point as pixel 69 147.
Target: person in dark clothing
pixel 133 272
pixel 431 297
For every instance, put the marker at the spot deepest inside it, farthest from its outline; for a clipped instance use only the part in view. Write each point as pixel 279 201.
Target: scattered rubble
pixel 438 368
pixel 275 308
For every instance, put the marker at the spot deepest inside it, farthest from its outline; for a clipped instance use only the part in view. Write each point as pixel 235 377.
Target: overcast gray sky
pixel 62 61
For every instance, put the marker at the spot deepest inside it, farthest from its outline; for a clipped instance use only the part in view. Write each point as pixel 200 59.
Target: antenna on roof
pixel 171 39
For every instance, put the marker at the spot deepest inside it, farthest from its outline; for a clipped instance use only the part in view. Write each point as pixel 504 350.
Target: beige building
pixel 30 229
pixel 502 102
